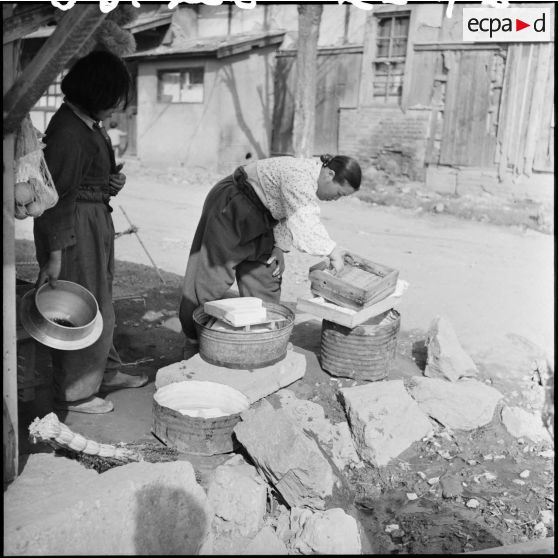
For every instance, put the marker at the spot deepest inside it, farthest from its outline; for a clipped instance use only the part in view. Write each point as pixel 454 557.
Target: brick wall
pixel 386 138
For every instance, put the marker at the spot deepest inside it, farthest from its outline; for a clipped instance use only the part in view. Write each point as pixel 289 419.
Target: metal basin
pixel 66 317
pixel 179 419
pixel 245 349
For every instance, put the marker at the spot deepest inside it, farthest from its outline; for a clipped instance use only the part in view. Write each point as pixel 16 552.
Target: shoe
pixel 118 380
pixel 92 405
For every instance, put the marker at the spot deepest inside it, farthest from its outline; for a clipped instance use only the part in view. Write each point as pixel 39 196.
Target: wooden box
pixel 360 283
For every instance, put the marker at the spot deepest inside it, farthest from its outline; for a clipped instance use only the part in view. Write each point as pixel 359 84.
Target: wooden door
pixel 468 132
pixel 337 86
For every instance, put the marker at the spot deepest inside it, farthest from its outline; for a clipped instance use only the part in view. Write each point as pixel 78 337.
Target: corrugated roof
pixel 220 46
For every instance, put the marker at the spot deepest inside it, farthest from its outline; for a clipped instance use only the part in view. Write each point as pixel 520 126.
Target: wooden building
pixel 414 95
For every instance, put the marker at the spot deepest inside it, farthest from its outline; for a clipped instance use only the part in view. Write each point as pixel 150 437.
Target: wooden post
pixel 537 106
pixel 9 336
pixel 520 145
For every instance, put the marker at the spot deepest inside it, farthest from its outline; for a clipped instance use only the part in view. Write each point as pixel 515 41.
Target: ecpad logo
pixel 497 25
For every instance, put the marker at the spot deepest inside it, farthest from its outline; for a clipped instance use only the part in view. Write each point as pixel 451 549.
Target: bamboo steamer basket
pixel 365 352
pixel 245 349
pixel 198 435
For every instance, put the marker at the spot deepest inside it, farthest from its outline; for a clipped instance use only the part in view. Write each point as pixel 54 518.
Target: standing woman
pixel 248 221
pixel 74 240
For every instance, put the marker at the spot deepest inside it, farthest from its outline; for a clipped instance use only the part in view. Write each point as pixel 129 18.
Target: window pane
pixel 196 75
pixel 380 86
pixel 384 27
pixel 381 68
pixel 192 93
pixel 169 83
pixel 395 85
pixel 401 27
pixel 192 90
pixel 399 47
pixel 383 48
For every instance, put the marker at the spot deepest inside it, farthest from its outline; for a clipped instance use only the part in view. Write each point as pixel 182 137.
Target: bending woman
pixel 248 221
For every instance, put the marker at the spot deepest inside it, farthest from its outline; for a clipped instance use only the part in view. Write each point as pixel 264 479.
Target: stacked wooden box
pixel 359 322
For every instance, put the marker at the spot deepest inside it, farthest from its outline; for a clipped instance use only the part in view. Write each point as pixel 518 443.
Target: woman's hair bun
pixel 326 159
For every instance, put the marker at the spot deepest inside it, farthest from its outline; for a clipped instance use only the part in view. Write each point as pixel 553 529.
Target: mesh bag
pixel 34 187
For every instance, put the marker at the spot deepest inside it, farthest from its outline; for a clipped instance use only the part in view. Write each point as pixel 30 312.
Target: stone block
pixel 522 424
pixel 139 508
pixel 384 420
pixel 255 384
pixel 290 460
pixel 266 543
pixel 446 358
pixel 335 438
pixel 328 532
pixel 238 496
pixel 463 405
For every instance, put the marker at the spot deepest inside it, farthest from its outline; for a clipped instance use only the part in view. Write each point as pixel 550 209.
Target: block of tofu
pixel 240 311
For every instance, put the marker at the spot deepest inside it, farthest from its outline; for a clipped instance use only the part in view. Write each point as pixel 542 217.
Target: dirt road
pixel 488 280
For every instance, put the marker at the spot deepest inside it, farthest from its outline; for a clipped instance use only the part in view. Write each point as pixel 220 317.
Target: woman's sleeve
pixel 308 234
pixel 66 162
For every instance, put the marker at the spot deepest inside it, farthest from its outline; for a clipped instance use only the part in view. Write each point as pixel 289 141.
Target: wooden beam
pixel 26 20
pixel 76 26
pixel 9 335
pixel 366 90
pixel 457 46
pixel 409 54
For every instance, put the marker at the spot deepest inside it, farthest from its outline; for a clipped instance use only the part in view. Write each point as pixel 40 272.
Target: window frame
pixel 182 71
pixel 386 99
pixel 48 94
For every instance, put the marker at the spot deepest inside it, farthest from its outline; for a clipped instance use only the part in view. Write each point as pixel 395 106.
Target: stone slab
pixel 446 358
pixel 384 420
pixel 266 543
pixel 335 438
pixel 522 424
pixel 139 508
pixel 463 405
pixel 328 532
pixel 255 384
pixel 238 496
pixel 290 460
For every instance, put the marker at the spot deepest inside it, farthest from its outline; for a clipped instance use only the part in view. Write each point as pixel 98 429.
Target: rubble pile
pixel 301 484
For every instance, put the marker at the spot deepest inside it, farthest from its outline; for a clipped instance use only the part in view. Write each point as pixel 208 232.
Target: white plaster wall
pixel 233 120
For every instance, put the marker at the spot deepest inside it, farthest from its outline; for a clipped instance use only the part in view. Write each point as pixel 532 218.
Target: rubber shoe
pixel 92 405
pixel 118 380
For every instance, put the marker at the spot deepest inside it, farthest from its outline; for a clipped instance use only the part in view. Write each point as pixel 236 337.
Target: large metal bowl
pixel 245 349
pixel 65 317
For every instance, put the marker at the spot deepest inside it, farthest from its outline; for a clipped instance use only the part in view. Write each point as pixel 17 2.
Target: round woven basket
pixel 198 417
pixel 365 352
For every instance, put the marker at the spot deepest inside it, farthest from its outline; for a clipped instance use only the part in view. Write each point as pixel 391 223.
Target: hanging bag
pixel 34 187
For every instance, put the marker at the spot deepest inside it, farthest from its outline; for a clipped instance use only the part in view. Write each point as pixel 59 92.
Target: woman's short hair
pixel 345 168
pixel 98 81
